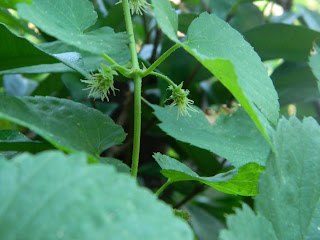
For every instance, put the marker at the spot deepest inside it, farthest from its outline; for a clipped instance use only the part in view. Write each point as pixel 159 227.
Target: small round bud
pixel 101 83
pixel 180 98
pixel 137 6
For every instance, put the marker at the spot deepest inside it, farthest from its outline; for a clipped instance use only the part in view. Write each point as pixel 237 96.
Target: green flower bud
pixel 137 6
pixel 101 83
pixel 180 98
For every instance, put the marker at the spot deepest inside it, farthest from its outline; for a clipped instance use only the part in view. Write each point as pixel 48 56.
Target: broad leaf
pixel 225 53
pixel 232 60
pixel 67 125
pixel 288 204
pixel 68 21
pixel 234 137
pixel 314 61
pixel 271 41
pixel 19 55
pixel 242 181
pixel 19 52
pixel 79 201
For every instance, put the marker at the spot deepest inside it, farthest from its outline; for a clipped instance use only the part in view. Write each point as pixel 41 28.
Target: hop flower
pixel 101 83
pixel 137 6
pixel 179 98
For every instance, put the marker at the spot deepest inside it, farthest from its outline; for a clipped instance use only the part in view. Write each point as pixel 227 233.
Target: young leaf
pixel 314 61
pixel 288 202
pixel 242 181
pixel 70 126
pixel 79 201
pixel 68 21
pixel 225 53
pixel 234 137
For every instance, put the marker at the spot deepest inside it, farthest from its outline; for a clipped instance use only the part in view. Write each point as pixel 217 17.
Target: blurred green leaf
pixel 314 61
pixel 205 226
pixel 119 165
pixel 277 40
pixel 58 189
pixel 295 82
pixel 12 3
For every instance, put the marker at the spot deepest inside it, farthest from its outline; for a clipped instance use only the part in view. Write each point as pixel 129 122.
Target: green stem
pixel 137 90
pixel 161 59
pixel 163 77
pixel 160 190
pixel 109 59
pixel 124 71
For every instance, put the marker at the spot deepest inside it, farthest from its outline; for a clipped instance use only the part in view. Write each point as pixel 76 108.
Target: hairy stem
pixel 137 90
pixel 163 77
pixel 161 59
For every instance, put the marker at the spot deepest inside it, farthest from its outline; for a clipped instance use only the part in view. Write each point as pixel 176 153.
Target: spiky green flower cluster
pixel 180 98
pixel 137 6
pixel 101 83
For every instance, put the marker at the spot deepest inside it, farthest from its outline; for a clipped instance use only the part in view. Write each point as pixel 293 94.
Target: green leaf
pixel 204 225
pixel 242 181
pixel 232 60
pixel 294 83
pixel 166 18
pixel 314 61
pixel 13 3
pixel 277 40
pixel 288 204
pixel 120 166
pixel 247 16
pixel 67 125
pixel 13 23
pixel 79 201
pixel 225 53
pixel 68 21
pixel 17 53
pixel 234 137
pixel 12 141
pixel 91 61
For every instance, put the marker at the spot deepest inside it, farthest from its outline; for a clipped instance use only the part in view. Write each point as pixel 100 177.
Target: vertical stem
pixel 137 126
pixel 137 91
pixel 129 27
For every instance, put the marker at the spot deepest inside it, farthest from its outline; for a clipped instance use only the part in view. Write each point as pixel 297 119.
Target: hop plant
pixel 101 83
pixel 137 6
pixel 180 98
